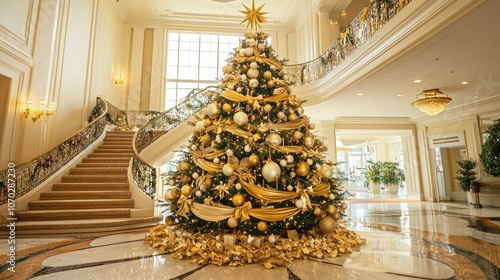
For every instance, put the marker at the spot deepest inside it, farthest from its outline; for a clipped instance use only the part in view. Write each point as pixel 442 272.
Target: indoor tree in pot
pixel 392 176
pixel 373 175
pixel 466 175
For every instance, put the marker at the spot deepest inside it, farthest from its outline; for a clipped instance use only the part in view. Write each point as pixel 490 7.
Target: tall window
pixel 195 61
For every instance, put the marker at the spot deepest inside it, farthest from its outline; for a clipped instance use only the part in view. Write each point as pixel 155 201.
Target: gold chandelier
pixel 39 113
pixel 431 101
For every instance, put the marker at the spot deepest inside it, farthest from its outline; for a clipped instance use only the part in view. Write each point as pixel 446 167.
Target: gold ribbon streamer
pixel 184 206
pixel 219 213
pixel 209 153
pixel 212 213
pixel 257 57
pixel 243 211
pixel 289 149
pixel 237 131
pixel 365 12
pixel 238 97
pixel 273 214
pixel 273 195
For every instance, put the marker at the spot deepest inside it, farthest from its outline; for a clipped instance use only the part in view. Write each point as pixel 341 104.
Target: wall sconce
pixel 431 101
pixel 39 113
pixel 119 79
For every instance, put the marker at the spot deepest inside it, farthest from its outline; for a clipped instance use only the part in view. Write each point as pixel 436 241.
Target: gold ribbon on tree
pixel 208 153
pixel 258 57
pixel 218 213
pixel 184 206
pixel 243 211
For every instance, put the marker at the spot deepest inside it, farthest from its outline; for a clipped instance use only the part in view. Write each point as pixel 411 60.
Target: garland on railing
pixel 34 172
pixel 369 20
pixel 144 174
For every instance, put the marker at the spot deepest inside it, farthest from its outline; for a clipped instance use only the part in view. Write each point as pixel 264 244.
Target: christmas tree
pixel 253 166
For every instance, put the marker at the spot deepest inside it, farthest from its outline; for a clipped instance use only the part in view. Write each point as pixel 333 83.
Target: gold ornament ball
pixel 240 118
pixel 317 212
pixel 327 224
pixel 267 108
pixel 186 190
pixel 343 206
pixel 268 75
pixel 171 194
pixel 252 73
pixel 184 166
pixel 208 182
pixel 319 142
pixel 327 171
pixel 331 209
pixel 271 171
pixel 297 135
pixel 253 159
pixel 169 220
pixel 185 179
pixel 226 107
pixel 337 216
pixel 173 207
pixel 302 169
pixel 270 83
pixel 273 138
pixel 262 226
pixel 309 142
pixel 212 110
pixel 206 139
pixel 238 199
pixel 208 122
pixel 228 169
pixel 232 222
pixel 292 117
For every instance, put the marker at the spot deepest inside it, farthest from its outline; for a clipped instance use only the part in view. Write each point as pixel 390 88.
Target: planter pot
pixel 393 188
pixel 375 188
pixel 470 197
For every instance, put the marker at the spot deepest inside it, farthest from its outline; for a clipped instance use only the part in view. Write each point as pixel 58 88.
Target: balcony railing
pixel 18 180
pixel 145 174
pixel 367 23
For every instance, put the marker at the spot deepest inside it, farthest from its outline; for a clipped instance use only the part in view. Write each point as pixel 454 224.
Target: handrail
pixel 364 25
pixel 145 174
pixel 32 173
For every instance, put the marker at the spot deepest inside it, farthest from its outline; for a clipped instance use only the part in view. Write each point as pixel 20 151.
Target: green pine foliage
pixel 490 156
pixel 210 133
pixel 466 173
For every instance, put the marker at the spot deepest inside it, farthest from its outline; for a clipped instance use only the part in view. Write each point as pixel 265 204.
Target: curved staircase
pixel 95 196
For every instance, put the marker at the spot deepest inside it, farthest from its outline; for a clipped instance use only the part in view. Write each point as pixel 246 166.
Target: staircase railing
pixel 18 180
pixel 364 25
pixel 145 174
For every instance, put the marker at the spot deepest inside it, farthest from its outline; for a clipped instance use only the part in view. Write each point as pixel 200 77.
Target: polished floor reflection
pixel 405 240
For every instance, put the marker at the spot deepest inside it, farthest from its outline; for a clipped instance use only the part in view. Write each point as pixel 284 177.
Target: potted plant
pixel 392 176
pixel 466 174
pixel 373 175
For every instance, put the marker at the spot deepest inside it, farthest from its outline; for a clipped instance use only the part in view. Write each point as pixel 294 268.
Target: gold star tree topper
pixel 253 16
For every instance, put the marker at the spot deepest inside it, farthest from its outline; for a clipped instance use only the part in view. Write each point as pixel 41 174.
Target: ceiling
pixel 467 50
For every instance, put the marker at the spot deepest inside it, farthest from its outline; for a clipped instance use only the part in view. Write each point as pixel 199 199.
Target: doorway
pixel 446 168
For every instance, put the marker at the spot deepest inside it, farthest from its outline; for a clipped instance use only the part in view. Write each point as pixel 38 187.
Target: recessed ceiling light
pixel 359 94
pixel 400 95
pixel 417 81
pixel 464 83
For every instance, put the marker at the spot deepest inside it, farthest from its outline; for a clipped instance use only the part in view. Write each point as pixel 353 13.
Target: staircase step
pixel 46 215
pixel 107 160
pixel 113 155
pixel 99 170
pixel 76 195
pixel 80 204
pixel 90 187
pixel 94 179
pixel 80 226
pixel 120 133
pixel 123 151
pixel 101 165
pixel 114 146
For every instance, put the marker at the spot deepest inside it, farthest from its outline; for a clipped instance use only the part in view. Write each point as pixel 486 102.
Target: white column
pixel 134 96
pixel 324 31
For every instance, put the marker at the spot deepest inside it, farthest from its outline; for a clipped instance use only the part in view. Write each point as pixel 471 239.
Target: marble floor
pixel 405 239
